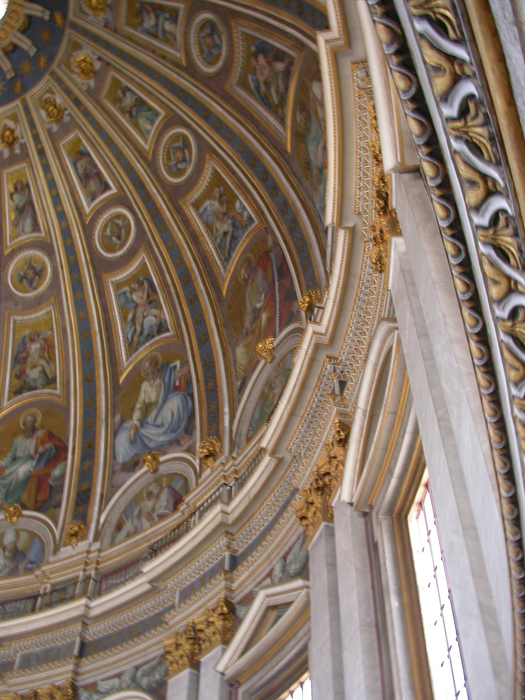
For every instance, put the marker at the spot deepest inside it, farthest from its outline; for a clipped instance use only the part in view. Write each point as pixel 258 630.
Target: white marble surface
pixel 324 651
pixel 360 652
pixel 454 442
pixel 183 686
pixel 211 683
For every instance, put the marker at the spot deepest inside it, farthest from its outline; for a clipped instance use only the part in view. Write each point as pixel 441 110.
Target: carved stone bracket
pixel 315 505
pixel 202 634
pixel 455 73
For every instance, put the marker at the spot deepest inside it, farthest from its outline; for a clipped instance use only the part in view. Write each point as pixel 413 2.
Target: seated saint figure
pixel 161 414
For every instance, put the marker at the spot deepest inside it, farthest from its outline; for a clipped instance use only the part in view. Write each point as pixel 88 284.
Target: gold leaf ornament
pixel 265 349
pixel 76 531
pixel 12 511
pixel 209 449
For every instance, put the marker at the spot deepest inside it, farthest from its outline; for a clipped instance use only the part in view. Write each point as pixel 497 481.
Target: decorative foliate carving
pixel 209 449
pixel 202 634
pixel 315 505
pixel 265 349
pixel 492 227
pixel 76 531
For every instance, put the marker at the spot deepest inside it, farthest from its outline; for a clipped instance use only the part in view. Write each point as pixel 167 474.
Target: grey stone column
pixel 212 685
pixel 324 651
pixel 183 686
pixel 360 649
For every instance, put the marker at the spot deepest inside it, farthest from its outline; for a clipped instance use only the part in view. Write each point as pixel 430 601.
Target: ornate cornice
pixel 471 149
pixel 202 634
pixel 315 505
pixel 52 692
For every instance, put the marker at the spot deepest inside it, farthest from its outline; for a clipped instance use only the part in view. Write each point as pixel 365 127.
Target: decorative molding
pixel 201 635
pixel 315 505
pixel 456 76
pixel 52 692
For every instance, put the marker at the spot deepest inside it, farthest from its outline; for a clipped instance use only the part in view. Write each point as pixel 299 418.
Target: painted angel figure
pixel 116 232
pixel 179 156
pixel 30 275
pixel 159 23
pixel 146 320
pixel 32 363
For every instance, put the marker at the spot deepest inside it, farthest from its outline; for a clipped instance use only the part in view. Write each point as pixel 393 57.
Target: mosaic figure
pixel 311 120
pixel 271 393
pixel 146 318
pixel 33 470
pixel 157 501
pixel 177 155
pixel 33 363
pixel 21 552
pixel 25 220
pixel 269 76
pixel 29 273
pixel 115 233
pixel 91 178
pixel 158 21
pixel 208 43
pixel 227 224
pixel 269 303
pixel 136 110
pixel 162 411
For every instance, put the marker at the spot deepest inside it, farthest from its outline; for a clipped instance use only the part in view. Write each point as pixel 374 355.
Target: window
pixel 444 657
pixel 302 690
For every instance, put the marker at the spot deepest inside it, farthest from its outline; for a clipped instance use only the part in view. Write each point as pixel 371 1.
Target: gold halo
pixel 30 412
pixel 150 357
pixel 244 260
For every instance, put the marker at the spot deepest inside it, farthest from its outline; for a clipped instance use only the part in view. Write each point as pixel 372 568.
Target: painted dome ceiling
pixel 162 191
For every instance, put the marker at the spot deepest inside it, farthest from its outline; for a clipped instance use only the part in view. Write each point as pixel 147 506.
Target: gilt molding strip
pixel 491 231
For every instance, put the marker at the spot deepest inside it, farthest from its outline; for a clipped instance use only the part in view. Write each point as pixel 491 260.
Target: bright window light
pixel 302 690
pixel 3 7
pixel 444 656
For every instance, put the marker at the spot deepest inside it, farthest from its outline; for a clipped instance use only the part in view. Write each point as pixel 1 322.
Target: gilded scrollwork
pixel 67 691
pixel 202 634
pixel 456 77
pixel 315 504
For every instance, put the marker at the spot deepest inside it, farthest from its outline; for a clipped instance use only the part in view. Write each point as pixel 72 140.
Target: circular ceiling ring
pixel 29 274
pixel 114 232
pixel 208 43
pixel 177 154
